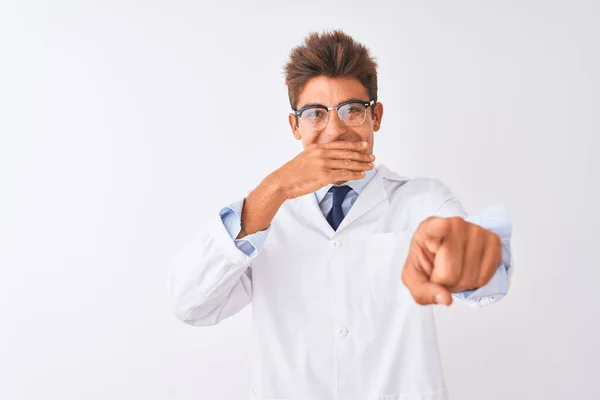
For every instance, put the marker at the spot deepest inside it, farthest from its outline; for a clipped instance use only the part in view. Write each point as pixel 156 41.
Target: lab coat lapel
pixel 312 212
pixel 373 194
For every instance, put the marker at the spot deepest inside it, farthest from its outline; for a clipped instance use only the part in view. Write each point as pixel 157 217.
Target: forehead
pixel 331 91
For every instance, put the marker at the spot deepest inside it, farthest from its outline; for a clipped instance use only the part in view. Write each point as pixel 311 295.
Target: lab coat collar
pixel 373 193
pixel 357 185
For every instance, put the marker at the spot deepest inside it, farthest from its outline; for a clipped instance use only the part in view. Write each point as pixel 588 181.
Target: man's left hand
pixel 449 255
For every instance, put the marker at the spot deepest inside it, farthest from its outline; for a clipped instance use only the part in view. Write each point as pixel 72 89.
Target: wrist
pixel 275 188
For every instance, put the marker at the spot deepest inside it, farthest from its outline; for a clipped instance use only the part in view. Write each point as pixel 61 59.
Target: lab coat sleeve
pixel 251 244
pixel 497 220
pixel 210 278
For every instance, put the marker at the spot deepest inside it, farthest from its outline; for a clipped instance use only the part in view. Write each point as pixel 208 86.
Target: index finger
pixel 346 145
pixel 422 289
pixel 431 233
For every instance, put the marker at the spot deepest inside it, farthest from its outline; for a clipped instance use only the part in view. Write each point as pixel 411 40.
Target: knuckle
pixel 482 281
pixel 497 241
pixel 457 222
pixel 477 232
pixel 462 288
pixel 425 222
pixel 460 224
pixel 496 246
pixel 457 288
pixel 420 298
pixel 447 276
pixel 469 283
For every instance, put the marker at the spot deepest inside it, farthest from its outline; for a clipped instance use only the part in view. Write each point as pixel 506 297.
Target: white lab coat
pixel 332 319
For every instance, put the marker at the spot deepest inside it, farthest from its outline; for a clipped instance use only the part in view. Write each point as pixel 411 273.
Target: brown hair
pixel 330 54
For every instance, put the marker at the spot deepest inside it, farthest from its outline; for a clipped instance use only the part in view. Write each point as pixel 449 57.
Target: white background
pixel 125 125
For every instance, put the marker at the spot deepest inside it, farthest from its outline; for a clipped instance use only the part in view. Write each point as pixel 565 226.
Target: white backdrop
pixel 124 125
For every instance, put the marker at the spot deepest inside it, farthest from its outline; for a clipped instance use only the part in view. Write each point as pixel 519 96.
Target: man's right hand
pixel 316 167
pixel 322 164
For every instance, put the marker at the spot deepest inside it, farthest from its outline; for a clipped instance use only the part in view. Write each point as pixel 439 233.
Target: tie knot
pixel 339 194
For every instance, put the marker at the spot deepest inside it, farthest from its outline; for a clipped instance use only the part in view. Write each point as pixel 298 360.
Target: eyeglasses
pixel 314 118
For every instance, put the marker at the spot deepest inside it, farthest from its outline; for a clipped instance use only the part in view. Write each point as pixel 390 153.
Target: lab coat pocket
pixel 385 257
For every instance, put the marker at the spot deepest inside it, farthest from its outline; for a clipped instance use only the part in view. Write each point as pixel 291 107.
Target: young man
pixel 340 258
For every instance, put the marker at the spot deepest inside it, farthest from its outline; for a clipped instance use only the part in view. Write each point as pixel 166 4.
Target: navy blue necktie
pixel 336 215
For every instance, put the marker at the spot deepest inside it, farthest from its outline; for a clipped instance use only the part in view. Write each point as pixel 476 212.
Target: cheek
pixel 307 140
pixel 317 138
pixel 366 135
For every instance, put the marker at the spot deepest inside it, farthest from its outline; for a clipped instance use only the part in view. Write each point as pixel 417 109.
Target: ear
pixel 377 117
pixel 294 126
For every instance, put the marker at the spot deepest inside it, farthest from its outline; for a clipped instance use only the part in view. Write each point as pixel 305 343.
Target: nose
pixel 335 128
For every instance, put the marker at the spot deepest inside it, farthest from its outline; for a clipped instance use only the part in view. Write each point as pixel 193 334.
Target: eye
pixel 314 114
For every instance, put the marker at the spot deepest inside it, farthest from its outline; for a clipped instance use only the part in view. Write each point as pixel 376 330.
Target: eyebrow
pixel 321 105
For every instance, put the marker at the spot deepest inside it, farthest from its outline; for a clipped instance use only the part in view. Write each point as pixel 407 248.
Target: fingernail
pixel 438 298
pixel 364 144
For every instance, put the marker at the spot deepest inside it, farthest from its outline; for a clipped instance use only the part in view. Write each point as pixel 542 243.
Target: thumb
pixel 422 290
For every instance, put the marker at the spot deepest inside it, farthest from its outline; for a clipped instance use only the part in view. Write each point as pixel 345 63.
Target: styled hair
pixel 330 54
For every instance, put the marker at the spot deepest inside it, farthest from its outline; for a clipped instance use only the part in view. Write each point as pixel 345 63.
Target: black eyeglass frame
pixel 366 104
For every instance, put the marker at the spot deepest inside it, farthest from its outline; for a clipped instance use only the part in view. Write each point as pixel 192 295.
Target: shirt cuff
pixel 497 220
pixel 251 244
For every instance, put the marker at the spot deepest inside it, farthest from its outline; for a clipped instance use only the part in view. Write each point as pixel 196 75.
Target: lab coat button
pixel 342 331
pixel 335 244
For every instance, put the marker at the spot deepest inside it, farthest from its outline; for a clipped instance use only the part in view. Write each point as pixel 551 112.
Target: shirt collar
pixel 357 185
